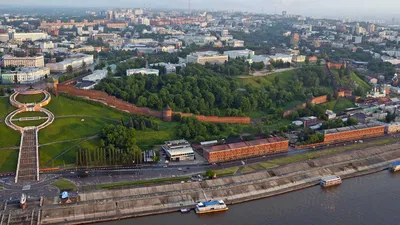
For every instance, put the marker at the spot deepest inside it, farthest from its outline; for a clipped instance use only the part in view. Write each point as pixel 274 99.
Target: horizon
pixel 366 10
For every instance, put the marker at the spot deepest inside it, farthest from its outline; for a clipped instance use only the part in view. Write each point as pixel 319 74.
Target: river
pixel 367 200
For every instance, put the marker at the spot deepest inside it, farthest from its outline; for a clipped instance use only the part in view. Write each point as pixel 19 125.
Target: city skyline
pixel 356 9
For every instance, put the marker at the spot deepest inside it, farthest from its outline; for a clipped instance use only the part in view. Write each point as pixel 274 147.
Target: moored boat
pixel 330 181
pixel 185 210
pixel 395 166
pixel 211 206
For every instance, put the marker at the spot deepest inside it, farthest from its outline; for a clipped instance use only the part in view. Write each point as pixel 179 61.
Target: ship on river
pixel 211 206
pixel 330 181
pixel 395 166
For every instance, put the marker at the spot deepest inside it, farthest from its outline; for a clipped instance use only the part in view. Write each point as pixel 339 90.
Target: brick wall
pixel 336 66
pixel 316 100
pixel 217 119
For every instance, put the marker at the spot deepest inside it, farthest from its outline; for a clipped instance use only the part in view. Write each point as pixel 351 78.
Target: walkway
pixel 28 161
pixel 28 158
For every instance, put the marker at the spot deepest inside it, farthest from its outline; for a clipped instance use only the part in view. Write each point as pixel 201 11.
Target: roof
pixel 178 151
pixel 211 203
pixel 243 144
pixel 397 163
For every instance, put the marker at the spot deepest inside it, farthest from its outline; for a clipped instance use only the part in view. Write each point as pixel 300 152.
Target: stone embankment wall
pixel 118 204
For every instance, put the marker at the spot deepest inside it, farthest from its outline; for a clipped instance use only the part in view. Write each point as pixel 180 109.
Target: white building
pixel 142 41
pixel 178 150
pixel 298 58
pixel 204 57
pixel 76 61
pixel 25 75
pixel 200 40
pixel 331 115
pixel 36 61
pixel 142 71
pixel 169 68
pixel 47 45
pixel 28 36
pixel 236 43
pixel 239 53
pixel 284 57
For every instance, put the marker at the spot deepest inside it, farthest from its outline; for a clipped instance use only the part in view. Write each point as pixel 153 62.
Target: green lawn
pixel 8 160
pixel 30 98
pixel 30 114
pixel 8 136
pixel 226 172
pixel 5 108
pixel 63 106
pixel 278 124
pixel 267 80
pixel 71 128
pixel 138 182
pixel 342 104
pixel 267 165
pixel 359 81
pixel 48 152
pixel 65 185
pixel 247 169
pixel 29 123
pixel 146 139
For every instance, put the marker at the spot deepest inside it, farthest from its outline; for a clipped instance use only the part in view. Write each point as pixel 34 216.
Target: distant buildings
pixel 25 75
pixel 28 36
pixel 76 61
pixel 298 58
pixel 178 150
pixel 142 71
pixel 235 43
pixel 239 53
pixel 206 57
pixel 35 61
pixel 169 67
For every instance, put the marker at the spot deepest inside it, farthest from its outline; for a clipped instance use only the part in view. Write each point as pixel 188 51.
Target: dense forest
pixel 209 90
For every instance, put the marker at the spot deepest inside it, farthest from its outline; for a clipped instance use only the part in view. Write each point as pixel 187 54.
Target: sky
pixel 356 9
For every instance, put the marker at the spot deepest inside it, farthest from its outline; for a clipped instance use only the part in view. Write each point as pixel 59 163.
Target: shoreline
pixel 119 204
pixel 346 177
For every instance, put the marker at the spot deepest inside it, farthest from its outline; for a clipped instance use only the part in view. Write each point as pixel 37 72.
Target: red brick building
pixel 353 133
pixel 246 149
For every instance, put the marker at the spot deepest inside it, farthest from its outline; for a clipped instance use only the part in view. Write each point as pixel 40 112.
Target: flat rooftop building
pixel 245 149
pixel 179 150
pixel 207 57
pixel 36 61
pixel 25 75
pixel 142 71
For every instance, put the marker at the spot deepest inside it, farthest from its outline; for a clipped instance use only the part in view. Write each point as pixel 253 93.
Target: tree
pixel 83 64
pixel 210 174
pixel 69 69
pixel 319 62
pixel 307 61
pixel 270 67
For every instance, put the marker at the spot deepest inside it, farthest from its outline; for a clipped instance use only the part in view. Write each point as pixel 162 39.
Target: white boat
pixel 185 210
pixel 211 206
pixel 330 181
pixel 394 167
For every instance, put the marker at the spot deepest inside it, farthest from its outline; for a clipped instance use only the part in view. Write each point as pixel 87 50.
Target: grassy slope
pixel 8 160
pixel 342 104
pixel 71 128
pixel 30 98
pixel 8 137
pixel 258 82
pixel 359 81
pixel 48 152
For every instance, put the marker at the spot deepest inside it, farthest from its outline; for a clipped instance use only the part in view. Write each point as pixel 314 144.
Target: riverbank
pixel 119 204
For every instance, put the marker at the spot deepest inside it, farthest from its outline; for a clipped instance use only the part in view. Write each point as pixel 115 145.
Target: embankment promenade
pixel 118 204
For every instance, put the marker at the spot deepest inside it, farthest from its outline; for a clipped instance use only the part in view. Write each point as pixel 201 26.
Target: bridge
pixel 28 157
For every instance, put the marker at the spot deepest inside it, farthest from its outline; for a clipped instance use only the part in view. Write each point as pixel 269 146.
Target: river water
pixel 367 200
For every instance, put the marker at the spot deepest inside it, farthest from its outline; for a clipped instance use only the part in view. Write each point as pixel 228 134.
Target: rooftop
pixel 243 144
pixel 350 128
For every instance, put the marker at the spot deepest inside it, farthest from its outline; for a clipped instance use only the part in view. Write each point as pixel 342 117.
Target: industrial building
pixel 353 132
pixel 178 150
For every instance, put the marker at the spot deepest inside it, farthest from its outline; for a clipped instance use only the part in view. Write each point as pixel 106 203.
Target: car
pixel 165 166
pixel 180 169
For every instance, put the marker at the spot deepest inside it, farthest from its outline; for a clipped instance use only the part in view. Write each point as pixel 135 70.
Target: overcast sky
pixel 320 8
